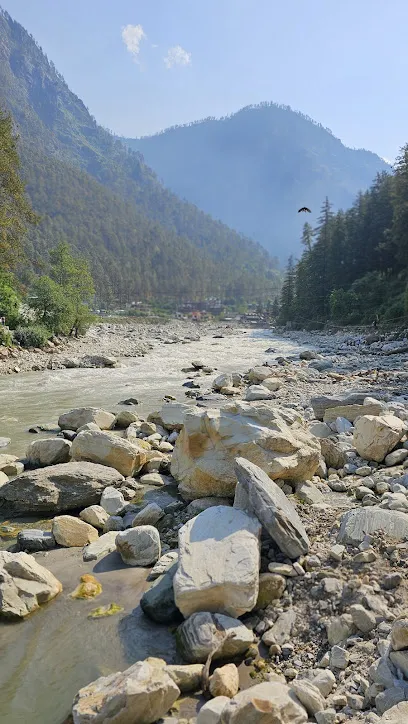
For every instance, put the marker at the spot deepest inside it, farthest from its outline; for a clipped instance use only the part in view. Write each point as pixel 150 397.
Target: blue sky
pixel 143 65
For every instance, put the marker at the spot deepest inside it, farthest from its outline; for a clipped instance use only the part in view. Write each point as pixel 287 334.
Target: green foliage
pixel 356 270
pixel 52 308
pixel 9 301
pixel 6 338
pixel 35 335
pixel 15 210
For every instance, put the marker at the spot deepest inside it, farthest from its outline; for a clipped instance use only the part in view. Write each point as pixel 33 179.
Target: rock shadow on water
pixel 111 562
pixel 141 638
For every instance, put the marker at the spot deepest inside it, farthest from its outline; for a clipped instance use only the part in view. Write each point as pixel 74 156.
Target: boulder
pixel 223 380
pixel 188 677
pixel 352 412
pixel 139 546
pixel 112 501
pixel 57 488
pixel 225 681
pixel 398 714
pixel 211 712
pixel 219 558
pixel 359 522
pixel 81 416
pixel 399 634
pixel 3 478
pixel 268 703
pixel 125 418
pixel 199 635
pixel 171 416
pixel 33 540
pixel 105 544
pixel 108 449
pixel 51 451
pixel 274 439
pixel 259 374
pixel 307 492
pixel 375 437
pixel 333 454
pixel 201 504
pixel 158 602
pixel 149 515
pixel 163 565
pixel 271 588
pixel 308 695
pixel 258 392
pixel 281 630
pixel 71 532
pixel 143 693
pixel 94 515
pixel 24 585
pixel 273 384
pixel 258 494
pixel 321 403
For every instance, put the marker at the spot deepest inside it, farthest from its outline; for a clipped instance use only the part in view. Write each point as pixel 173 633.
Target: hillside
pixel 140 238
pixel 254 169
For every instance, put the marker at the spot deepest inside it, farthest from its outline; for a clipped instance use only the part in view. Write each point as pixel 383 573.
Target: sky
pixel 143 65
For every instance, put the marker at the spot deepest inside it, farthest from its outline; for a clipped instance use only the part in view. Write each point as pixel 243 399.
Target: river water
pixel 57 650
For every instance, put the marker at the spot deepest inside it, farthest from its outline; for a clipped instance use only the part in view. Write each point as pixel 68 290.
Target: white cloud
pixel 132 36
pixel 177 56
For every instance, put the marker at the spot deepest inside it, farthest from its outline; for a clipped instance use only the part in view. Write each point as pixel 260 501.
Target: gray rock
pixel 105 544
pixel 308 695
pixel 258 494
pixel 355 524
pixel 163 565
pixel 139 546
pixel 322 403
pixel 57 488
pixel 158 601
pixel 197 636
pixel 281 630
pixel 211 712
pixel 339 658
pixel 362 618
pixel 75 419
pixel 143 693
pixel 320 429
pixel 112 501
pixel 219 555
pixel 4 441
pixel 51 451
pixel 396 457
pixel 268 703
pixel 149 515
pixel 94 515
pixel 307 492
pixel 33 540
pixel 24 585
pixel 114 523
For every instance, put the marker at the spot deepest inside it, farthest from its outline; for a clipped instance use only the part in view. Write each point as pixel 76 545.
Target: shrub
pixel 32 336
pixel 5 337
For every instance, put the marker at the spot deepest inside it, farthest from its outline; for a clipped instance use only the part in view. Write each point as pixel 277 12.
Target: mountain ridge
pixel 56 128
pixel 254 168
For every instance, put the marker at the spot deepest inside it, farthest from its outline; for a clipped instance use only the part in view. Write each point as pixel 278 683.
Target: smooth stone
pixel 112 501
pixel 225 681
pixel 94 515
pixel 199 634
pixel 158 601
pixel 356 523
pixel 24 585
pixel 75 419
pixel 33 540
pixel 105 544
pixel 72 532
pixel 139 546
pixel 267 703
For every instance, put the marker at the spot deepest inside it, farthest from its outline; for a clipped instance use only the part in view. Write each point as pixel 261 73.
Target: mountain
pixel 256 168
pixel 140 238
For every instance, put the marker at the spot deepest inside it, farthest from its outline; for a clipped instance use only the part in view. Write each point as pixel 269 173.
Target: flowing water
pixel 49 656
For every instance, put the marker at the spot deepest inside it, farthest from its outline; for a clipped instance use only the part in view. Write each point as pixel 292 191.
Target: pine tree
pixel 287 297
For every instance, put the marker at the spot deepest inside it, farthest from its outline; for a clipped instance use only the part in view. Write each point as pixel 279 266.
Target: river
pixel 48 657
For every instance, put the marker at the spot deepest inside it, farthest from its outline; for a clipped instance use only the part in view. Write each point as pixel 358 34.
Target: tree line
pixel 354 266
pixel 53 303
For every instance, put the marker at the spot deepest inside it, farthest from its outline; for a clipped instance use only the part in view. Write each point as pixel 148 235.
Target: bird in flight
pixel 304 208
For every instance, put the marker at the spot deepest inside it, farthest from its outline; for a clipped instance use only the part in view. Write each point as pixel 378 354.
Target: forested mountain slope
pixel 140 238
pixel 254 169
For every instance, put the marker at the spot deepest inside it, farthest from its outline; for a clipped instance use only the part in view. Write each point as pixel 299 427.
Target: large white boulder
pixel 267 703
pixel 260 374
pixel 359 522
pixel 54 489
pixel 203 632
pixel 74 419
pixel 143 693
pixel 274 439
pixel 51 451
pixel 171 416
pixel 374 437
pixel 24 584
pixel 94 515
pixel 219 558
pixel 108 449
pixel 258 495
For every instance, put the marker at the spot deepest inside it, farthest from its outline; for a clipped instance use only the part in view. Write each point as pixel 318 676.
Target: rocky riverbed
pixel 247 545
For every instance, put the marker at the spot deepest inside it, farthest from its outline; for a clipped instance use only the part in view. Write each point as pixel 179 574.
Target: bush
pixel 32 336
pixel 5 337
pixel 9 303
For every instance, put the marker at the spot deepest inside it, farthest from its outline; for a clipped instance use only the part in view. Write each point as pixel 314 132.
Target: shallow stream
pixel 45 659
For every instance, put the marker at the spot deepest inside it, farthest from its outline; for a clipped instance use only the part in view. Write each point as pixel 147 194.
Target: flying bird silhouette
pixel 304 208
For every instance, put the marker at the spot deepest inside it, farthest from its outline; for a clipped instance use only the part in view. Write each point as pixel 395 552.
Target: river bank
pixel 323 601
